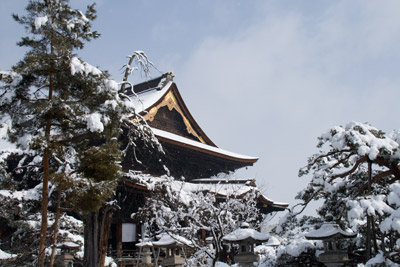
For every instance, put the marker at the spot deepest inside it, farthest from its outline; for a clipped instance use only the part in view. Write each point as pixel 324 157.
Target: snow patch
pixel 221 264
pixel 94 123
pixel 6 256
pixel 243 234
pixel 329 230
pixel 296 247
pixel 82 20
pixel 78 66
pixel 111 85
pixel 40 21
pixel 109 262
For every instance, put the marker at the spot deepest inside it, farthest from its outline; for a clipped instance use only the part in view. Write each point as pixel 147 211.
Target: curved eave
pixel 245 240
pixel 203 148
pixel 171 86
pixel 268 201
pixel 332 236
pixel 190 117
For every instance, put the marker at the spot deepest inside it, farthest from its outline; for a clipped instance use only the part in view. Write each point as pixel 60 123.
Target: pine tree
pixel 356 173
pixel 66 114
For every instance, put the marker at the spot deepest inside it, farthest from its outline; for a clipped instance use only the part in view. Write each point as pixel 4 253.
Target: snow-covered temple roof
pixel 186 142
pixel 190 153
pixel 328 231
pixel 161 105
pixel 222 190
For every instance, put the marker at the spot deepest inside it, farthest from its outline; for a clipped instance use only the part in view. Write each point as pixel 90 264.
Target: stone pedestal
pixel 173 258
pixel 66 260
pixel 146 256
pixel 246 259
pixel 333 258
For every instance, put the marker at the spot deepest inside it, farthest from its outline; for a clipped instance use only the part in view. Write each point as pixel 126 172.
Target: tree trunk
pixel 369 219
pixel 45 201
pixel 104 227
pixel 368 237
pixel 55 230
pixel 46 171
pixel 127 71
pixel 91 240
pixel 374 236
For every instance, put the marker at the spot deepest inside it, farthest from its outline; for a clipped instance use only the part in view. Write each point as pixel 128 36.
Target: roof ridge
pixel 155 83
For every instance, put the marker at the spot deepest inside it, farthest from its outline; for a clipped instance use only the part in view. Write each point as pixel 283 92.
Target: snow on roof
pixel 247 181
pixel 146 99
pixel 171 240
pixel 146 242
pixel 329 230
pixel 273 241
pixel 283 204
pixel 5 256
pixel 200 146
pixel 242 234
pixel 220 189
pixel 68 245
pixel 185 189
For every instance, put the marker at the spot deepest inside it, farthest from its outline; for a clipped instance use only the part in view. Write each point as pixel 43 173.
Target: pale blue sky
pixel 262 78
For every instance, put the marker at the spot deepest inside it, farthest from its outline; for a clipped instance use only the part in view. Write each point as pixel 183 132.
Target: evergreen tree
pixel 66 116
pixel 356 173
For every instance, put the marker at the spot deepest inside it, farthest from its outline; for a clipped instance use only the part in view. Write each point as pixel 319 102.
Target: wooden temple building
pixel 189 153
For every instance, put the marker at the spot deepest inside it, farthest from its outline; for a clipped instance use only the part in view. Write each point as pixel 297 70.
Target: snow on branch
pixel 356 174
pixel 40 21
pixel 81 67
pixel 142 61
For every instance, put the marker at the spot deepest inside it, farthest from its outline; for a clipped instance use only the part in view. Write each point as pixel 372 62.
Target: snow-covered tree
pixel 291 247
pixel 356 174
pixel 65 118
pixel 190 210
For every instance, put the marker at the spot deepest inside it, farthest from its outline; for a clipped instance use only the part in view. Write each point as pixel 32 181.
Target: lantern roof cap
pixel 245 235
pixel 171 240
pixel 329 231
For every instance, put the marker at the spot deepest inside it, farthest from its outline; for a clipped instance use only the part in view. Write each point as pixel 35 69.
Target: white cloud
pixel 276 85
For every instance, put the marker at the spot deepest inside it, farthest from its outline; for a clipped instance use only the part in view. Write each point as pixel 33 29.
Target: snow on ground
pixel 267 254
pixel 380 259
pixel 221 264
pixel 110 262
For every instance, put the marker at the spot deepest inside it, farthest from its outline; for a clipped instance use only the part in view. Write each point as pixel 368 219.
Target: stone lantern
pixel 145 247
pixel 174 249
pixel 67 248
pixel 331 236
pixel 246 239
